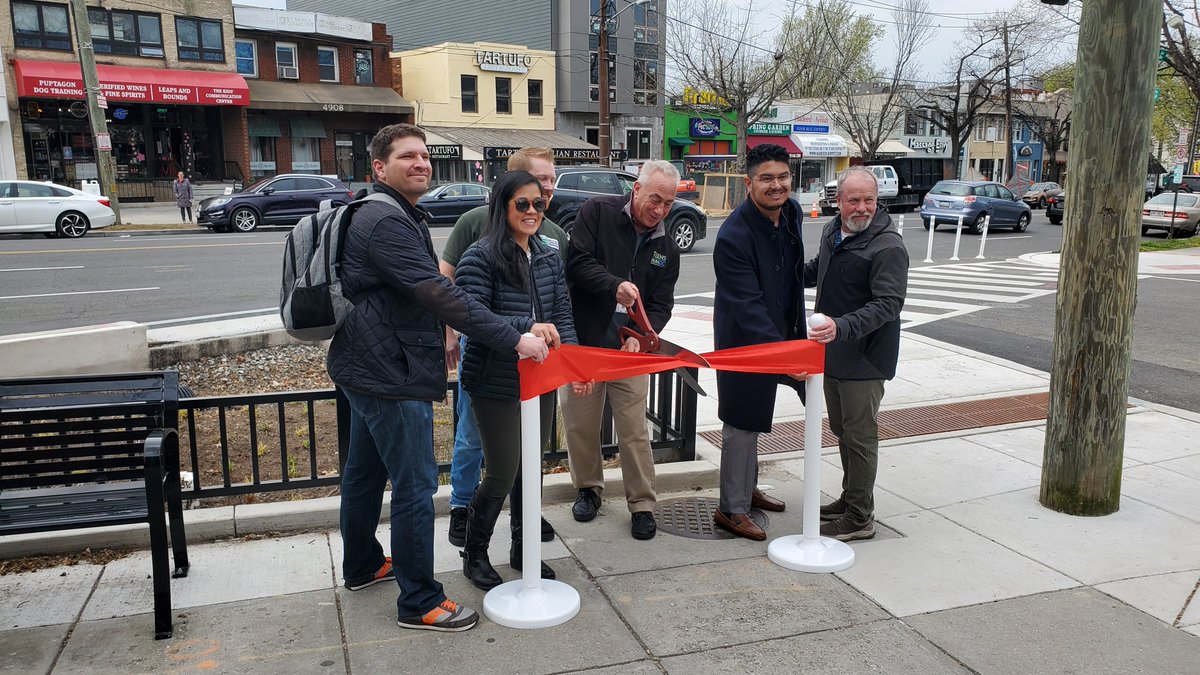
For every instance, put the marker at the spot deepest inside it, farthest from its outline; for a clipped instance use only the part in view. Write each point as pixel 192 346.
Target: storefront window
pixel 364 67
pixel 129 151
pixel 262 156
pixel 306 155
pixel 812 176
pixel 637 142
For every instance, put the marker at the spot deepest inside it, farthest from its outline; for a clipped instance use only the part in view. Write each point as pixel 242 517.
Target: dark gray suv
pixel 686 222
pixel 278 200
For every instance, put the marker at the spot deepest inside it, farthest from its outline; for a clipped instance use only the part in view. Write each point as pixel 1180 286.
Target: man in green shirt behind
pixel 468 450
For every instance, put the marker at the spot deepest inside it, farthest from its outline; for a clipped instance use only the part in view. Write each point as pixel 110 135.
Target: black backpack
pixel 311 302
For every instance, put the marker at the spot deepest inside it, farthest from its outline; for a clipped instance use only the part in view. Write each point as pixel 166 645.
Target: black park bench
pixel 92 451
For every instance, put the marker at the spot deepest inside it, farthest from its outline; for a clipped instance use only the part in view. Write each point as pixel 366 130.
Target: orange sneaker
pixel 448 617
pixel 384 573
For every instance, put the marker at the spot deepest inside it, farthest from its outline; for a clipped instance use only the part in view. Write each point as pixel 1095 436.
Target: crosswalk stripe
pixel 943 278
pixel 986 275
pixel 1019 290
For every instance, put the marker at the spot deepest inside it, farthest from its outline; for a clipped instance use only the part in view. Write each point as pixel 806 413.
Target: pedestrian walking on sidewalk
pixel 758 259
pixel 467 457
pixel 516 275
pixel 861 275
pixel 183 196
pixel 620 252
pixel 389 359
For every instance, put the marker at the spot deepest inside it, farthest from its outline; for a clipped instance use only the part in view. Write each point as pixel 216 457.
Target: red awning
pixel 785 141
pixel 61 79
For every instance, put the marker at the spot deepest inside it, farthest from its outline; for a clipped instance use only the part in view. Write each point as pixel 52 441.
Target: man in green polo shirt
pixel 468 451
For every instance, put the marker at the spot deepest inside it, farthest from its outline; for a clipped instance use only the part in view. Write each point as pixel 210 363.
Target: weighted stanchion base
pixel 515 605
pixel 819 555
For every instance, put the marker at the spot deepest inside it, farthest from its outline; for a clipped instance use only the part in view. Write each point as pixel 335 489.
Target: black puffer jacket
pixel 391 342
pixel 486 372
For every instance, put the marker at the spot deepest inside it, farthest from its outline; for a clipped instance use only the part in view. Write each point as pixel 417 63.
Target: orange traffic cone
pixel 816 212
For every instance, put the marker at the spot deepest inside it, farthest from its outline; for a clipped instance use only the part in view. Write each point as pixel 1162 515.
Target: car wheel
pixel 71 225
pixel 244 220
pixel 828 212
pixel 926 224
pixel 566 225
pixel 684 233
pixel 1041 203
pixel 1054 220
pixel 1022 223
pixel 977 224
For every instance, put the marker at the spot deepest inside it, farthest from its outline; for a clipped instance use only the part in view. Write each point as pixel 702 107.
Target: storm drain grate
pixel 915 421
pixel 692 517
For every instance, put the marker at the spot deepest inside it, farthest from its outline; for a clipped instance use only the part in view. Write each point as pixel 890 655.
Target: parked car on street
pixel 445 203
pixel 1038 195
pixel 974 200
pixel 1054 208
pixel 686 222
pixel 277 200
pixel 54 210
pixel 1164 209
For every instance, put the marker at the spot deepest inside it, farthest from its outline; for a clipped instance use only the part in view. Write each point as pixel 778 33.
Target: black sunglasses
pixel 538 204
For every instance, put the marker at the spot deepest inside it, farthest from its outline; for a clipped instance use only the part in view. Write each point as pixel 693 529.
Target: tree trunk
pixel 1089 384
pixel 740 126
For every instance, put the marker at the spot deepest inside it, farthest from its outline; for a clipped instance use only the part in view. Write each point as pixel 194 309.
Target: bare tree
pixel 720 59
pixel 870 118
pixel 825 45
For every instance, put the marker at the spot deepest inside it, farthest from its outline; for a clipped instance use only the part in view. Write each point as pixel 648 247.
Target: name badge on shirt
pixel 658 260
pixel 549 241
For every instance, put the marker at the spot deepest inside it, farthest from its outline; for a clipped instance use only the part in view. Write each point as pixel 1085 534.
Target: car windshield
pixel 432 191
pixel 955 189
pixel 257 185
pixel 1038 187
pixel 1168 198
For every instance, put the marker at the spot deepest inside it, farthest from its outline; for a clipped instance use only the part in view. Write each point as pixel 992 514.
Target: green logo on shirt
pixel 658 260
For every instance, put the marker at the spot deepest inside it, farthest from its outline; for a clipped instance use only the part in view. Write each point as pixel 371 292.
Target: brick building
pixel 166 69
pixel 320 87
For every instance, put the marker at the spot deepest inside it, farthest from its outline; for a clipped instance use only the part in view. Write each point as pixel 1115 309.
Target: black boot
pixel 481 521
pixel 514 552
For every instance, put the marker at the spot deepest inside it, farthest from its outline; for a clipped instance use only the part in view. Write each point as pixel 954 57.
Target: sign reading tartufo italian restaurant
pixel 503 62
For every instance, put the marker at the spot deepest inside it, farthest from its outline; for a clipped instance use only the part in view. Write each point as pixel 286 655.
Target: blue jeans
pixel 391 440
pixel 468 449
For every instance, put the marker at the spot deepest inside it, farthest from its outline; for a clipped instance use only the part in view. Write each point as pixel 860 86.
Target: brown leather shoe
pixel 760 500
pixel 739 524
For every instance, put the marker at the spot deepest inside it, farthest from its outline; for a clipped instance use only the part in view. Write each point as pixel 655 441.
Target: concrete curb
pixel 195 230
pixel 165 354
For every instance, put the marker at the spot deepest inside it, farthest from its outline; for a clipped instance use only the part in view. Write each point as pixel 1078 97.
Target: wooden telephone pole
pixel 1097 285
pixel 105 167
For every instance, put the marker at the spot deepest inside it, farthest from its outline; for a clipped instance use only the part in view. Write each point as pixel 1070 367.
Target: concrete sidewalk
pixel 967 574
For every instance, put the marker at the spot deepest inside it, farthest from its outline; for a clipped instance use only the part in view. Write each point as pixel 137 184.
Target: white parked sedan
pixel 30 206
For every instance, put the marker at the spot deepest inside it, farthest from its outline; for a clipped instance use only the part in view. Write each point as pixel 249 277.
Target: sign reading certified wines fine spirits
pixel 503 62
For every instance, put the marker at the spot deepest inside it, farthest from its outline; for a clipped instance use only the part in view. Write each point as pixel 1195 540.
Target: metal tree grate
pixel 692 517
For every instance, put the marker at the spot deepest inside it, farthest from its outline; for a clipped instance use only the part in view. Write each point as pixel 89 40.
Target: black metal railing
pixel 270 442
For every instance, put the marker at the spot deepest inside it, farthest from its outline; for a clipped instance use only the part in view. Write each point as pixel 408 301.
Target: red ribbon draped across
pixel 572 363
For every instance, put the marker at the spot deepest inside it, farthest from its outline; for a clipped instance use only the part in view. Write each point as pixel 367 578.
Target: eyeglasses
pixel 783 178
pixel 538 204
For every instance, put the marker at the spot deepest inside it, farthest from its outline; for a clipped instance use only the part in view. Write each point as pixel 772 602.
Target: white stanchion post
pixel 531 601
pixel 987 220
pixel 957 238
pixel 929 249
pixel 809 551
pixel 900 224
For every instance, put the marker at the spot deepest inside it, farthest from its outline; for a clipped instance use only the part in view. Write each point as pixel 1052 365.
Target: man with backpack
pixel 388 357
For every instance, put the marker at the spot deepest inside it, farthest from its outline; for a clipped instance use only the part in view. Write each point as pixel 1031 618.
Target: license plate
pixel 944 204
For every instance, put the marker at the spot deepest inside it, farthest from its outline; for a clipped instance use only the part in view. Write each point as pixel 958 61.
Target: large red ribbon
pixel 572 363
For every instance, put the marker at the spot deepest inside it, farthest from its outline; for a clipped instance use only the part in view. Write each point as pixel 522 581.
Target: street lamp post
pixel 605 134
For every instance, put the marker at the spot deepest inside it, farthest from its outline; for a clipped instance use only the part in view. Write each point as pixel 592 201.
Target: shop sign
pixel 444 151
pixel 262 166
pixel 316 23
pixel 1025 151
pixel 102 101
pixel 137 92
pixel 931 146
pixel 104 142
pixel 704 127
pixel 768 129
pixel 340 26
pixel 811 123
pixel 567 154
pixel 503 62
pixel 299 167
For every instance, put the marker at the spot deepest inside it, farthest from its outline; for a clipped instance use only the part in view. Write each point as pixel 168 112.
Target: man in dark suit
pixel 758 259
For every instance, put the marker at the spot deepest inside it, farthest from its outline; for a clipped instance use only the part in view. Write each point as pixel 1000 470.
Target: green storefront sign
pixel 769 129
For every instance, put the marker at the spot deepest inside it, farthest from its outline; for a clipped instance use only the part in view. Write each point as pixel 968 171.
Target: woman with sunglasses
pixel 519 277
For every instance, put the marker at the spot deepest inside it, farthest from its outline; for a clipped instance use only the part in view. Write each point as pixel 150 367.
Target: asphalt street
pixel 164 279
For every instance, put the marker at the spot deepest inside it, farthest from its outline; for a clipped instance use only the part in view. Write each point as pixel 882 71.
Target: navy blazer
pixel 759 298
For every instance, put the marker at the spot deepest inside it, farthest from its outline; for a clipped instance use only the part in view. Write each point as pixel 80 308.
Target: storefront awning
pixel 499 144
pixel 679 142
pixel 889 148
pixel 335 98
pixel 262 127
pixel 306 127
pixel 793 151
pixel 63 79
pixel 830 145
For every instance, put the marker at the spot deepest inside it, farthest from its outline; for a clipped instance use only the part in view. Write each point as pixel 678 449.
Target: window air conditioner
pixel 289 72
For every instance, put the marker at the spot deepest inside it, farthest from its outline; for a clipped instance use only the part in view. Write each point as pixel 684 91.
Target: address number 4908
pixel 333 107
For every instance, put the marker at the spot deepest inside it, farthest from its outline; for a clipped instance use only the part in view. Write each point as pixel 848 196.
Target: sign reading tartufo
pixel 503 62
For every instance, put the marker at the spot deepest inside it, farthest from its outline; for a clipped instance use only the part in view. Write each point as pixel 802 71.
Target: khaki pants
pixel 582 416
pixel 853 407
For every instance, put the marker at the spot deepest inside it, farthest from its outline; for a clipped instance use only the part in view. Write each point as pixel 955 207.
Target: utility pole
pixel 1097 282
pixel 1008 162
pixel 91 82
pixel 605 140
